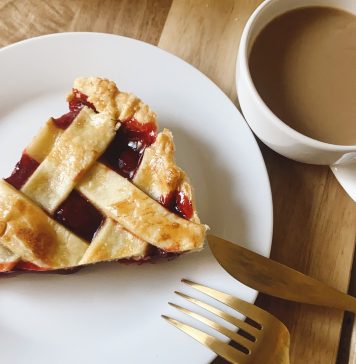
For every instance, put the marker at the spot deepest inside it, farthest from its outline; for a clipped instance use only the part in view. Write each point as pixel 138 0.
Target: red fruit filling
pixel 124 155
pixel 23 171
pixel 78 215
pixel 178 203
pixel 125 152
pixel 28 266
pixel 76 103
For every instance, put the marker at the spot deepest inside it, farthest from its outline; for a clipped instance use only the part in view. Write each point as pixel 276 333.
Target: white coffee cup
pixel 267 126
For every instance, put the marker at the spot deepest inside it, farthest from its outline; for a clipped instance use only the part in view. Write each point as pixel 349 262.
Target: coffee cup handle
pixel 345 172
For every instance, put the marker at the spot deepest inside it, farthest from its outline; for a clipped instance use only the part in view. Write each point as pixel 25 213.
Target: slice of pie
pixel 97 184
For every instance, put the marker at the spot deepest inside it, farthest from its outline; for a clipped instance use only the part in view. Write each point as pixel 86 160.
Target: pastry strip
pixel 30 233
pixel 70 158
pixel 138 213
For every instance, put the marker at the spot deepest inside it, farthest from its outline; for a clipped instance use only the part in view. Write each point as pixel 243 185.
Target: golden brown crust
pixel 159 175
pixel 130 106
pixel 101 93
pixel 106 98
pixel 134 220
pixel 34 236
pixel 69 159
pixel 138 213
pixel 44 141
pixel 7 258
pixel 113 242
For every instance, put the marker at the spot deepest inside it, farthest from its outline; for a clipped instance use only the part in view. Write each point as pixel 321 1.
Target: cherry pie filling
pixel 125 152
pixel 123 155
pixel 23 171
pixel 76 103
pixel 78 215
pixel 178 203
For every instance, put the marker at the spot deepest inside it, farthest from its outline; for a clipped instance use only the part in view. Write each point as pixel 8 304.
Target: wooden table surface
pixel 314 220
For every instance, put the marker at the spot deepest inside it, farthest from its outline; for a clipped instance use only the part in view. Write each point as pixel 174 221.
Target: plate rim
pixel 263 169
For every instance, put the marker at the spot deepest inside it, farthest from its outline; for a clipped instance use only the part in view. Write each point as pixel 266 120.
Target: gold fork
pixel 264 341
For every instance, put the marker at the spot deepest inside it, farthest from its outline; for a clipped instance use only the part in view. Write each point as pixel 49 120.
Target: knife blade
pixel 276 279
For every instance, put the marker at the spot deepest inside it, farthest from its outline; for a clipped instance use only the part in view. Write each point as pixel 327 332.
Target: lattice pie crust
pixel 97 184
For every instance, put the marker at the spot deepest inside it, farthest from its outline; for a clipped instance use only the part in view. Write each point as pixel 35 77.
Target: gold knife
pixel 276 279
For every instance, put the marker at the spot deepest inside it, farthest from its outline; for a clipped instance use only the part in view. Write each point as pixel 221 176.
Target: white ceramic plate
pixel 111 313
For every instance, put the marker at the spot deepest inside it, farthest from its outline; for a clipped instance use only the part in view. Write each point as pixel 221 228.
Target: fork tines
pixel 244 343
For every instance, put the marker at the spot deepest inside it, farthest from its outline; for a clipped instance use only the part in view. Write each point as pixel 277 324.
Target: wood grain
pixel 319 223
pixel 209 35
pixel 314 228
pixel 315 222
pixel 347 352
pixel 141 19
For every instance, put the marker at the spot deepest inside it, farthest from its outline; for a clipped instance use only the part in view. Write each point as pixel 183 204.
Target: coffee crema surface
pixel 303 65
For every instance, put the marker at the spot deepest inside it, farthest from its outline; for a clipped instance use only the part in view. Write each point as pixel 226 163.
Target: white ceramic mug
pixel 267 126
